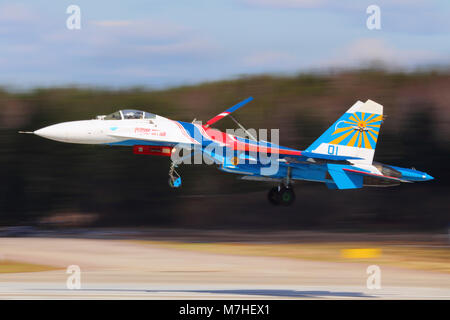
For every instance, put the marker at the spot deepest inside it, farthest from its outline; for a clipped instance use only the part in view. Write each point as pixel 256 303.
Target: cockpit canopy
pixel 129 114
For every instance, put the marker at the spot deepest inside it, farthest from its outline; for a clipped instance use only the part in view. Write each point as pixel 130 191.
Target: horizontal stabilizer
pixel 344 179
pixel 331 186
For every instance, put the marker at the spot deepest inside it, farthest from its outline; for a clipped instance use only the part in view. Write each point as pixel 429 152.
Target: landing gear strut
pixel 281 195
pixel 174 177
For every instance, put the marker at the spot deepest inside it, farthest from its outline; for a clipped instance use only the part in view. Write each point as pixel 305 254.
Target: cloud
pixel 369 50
pixel 19 48
pixel 178 45
pixel 113 23
pixel 285 4
pixel 140 28
pixel 343 4
pixel 193 46
pixel 102 51
pixel 147 39
pixel 270 59
pixel 136 72
pixel 131 41
pixel 16 12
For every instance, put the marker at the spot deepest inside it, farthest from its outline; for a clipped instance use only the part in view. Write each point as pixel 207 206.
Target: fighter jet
pixel 341 158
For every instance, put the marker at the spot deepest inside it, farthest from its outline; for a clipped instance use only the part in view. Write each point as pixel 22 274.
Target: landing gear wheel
pixel 274 196
pixel 175 183
pixel 287 196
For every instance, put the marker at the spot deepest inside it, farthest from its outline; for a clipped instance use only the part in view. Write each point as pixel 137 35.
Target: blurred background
pixel 304 62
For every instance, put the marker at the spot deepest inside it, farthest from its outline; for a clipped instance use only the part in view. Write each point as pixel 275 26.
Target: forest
pixel 51 184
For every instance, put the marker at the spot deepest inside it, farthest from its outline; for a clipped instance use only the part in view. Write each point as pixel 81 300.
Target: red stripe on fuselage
pixel 184 132
pixel 231 142
pixel 371 174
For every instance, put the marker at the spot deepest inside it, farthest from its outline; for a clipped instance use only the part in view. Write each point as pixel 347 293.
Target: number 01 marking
pixel 333 149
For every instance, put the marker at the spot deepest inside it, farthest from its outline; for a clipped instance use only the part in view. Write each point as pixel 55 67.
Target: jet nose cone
pixel 83 131
pixel 55 132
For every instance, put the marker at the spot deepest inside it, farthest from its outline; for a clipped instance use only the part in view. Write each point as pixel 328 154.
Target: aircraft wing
pixel 228 111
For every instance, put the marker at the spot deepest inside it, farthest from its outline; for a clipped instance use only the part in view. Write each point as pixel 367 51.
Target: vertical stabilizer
pixel 355 134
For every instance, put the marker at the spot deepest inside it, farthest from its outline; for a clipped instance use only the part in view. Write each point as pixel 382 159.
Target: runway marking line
pixel 8 266
pixel 364 253
pixel 404 256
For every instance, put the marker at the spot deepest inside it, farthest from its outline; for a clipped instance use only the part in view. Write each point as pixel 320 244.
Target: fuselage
pixel 153 131
pixel 156 130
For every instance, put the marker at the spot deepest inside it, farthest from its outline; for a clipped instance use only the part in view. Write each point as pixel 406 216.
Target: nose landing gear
pixel 174 177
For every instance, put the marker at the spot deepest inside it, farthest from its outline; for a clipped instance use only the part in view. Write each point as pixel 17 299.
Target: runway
pixel 118 269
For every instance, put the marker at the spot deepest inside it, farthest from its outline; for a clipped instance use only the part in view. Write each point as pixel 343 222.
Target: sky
pixel 160 43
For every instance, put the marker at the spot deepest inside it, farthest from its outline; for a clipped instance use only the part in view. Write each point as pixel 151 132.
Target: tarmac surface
pixel 118 269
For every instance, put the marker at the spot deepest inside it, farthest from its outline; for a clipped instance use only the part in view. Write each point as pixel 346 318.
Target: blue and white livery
pixel 341 158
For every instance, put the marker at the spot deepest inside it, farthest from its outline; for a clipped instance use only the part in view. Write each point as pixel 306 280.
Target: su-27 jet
pixel 341 158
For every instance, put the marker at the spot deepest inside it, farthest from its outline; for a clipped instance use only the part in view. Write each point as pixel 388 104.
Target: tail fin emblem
pixel 359 129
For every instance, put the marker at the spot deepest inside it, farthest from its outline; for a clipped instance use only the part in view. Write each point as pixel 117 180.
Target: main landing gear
pixel 281 195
